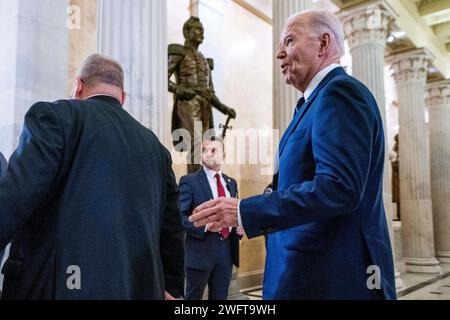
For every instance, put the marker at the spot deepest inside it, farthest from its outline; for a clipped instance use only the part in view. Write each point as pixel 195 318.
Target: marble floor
pixel 417 287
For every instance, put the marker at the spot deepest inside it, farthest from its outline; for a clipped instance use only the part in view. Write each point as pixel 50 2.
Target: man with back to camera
pixel 210 256
pixel 325 218
pixel 90 200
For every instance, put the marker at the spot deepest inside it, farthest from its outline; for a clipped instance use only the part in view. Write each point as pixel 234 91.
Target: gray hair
pixel 98 68
pixel 323 21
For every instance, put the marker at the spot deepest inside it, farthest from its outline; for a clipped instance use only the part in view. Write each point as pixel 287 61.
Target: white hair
pixel 323 21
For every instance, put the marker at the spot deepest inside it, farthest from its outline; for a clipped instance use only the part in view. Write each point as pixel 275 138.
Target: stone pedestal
pixel 409 71
pixel 438 103
pixel 134 32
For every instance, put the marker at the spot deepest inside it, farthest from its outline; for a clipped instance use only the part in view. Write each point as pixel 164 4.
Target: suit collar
pixel 335 72
pixel 315 82
pixel 203 181
pixel 204 184
pixel 105 98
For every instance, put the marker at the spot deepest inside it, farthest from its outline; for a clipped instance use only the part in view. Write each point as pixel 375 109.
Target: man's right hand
pixel 185 94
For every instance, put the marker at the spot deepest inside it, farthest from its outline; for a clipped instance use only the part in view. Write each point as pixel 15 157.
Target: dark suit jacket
pixel 195 190
pixel 3 164
pixel 90 187
pixel 326 220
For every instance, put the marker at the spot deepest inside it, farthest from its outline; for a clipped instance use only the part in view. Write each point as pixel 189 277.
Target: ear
pixel 124 98
pixel 78 88
pixel 325 42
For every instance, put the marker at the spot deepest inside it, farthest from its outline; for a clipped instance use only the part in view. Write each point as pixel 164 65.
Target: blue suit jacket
pixel 90 186
pixel 200 245
pixel 326 218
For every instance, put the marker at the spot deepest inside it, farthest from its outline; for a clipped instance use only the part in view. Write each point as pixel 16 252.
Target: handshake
pixel 217 214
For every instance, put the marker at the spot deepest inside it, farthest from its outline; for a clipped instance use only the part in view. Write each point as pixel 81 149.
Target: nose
pixel 281 54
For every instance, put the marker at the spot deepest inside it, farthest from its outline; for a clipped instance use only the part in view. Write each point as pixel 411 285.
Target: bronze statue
pixel 193 89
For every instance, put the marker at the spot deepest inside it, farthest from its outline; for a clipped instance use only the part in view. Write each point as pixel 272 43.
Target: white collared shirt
pixel 211 175
pixel 318 79
pixel 212 180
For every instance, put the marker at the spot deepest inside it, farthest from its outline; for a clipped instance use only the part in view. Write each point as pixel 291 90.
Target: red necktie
pixel 225 232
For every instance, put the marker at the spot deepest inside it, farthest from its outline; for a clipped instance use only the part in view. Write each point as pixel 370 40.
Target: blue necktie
pixel 299 105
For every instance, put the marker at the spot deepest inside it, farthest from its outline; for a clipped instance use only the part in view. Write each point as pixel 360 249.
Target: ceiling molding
pixel 254 10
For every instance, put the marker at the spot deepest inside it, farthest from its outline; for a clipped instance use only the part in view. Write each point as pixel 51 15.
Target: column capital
pixel 410 65
pixel 438 93
pixel 366 24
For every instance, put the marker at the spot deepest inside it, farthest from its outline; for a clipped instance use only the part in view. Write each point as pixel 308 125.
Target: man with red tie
pixel 209 255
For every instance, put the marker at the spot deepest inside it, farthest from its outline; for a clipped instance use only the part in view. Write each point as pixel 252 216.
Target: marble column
pixel 410 72
pixel 134 32
pixel 438 103
pixel 285 97
pixel 366 30
pixel 33 61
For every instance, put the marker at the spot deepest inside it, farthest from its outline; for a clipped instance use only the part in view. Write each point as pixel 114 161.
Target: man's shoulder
pixel 346 85
pixel 229 179
pixel 43 108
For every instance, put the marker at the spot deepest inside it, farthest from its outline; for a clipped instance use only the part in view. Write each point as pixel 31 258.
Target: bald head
pixel 311 41
pixel 319 22
pixel 99 75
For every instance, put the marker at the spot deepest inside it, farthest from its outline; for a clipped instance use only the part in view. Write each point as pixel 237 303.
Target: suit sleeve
pixel 172 238
pixel 32 172
pixel 186 208
pixel 342 136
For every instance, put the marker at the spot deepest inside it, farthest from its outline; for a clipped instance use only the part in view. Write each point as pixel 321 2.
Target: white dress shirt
pixel 211 175
pixel 309 90
pixel 318 79
pixel 212 180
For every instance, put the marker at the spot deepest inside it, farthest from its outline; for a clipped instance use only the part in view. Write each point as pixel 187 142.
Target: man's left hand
pixel 218 213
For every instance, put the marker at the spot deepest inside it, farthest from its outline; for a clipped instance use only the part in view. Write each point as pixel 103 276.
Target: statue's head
pixel 193 30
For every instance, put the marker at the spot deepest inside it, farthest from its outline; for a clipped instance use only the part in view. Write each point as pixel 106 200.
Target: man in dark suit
pixel 90 200
pixel 328 236
pixel 3 164
pixel 209 255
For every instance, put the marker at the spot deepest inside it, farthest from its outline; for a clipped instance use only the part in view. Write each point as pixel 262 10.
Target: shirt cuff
pixel 239 215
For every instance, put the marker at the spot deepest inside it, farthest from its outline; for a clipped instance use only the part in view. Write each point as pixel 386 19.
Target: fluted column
pixel 438 103
pixel 285 97
pixel 33 61
pixel 135 33
pixel 410 71
pixel 366 30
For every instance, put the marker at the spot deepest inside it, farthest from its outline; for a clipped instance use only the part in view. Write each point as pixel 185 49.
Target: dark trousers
pixel 217 276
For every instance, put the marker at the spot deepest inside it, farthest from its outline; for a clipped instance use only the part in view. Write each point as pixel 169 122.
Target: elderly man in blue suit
pixel 327 232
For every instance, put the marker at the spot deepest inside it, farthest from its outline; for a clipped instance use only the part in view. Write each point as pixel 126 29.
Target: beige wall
pixel 82 41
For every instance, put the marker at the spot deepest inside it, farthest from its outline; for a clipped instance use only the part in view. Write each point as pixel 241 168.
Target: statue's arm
pixel 173 65
pixel 176 54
